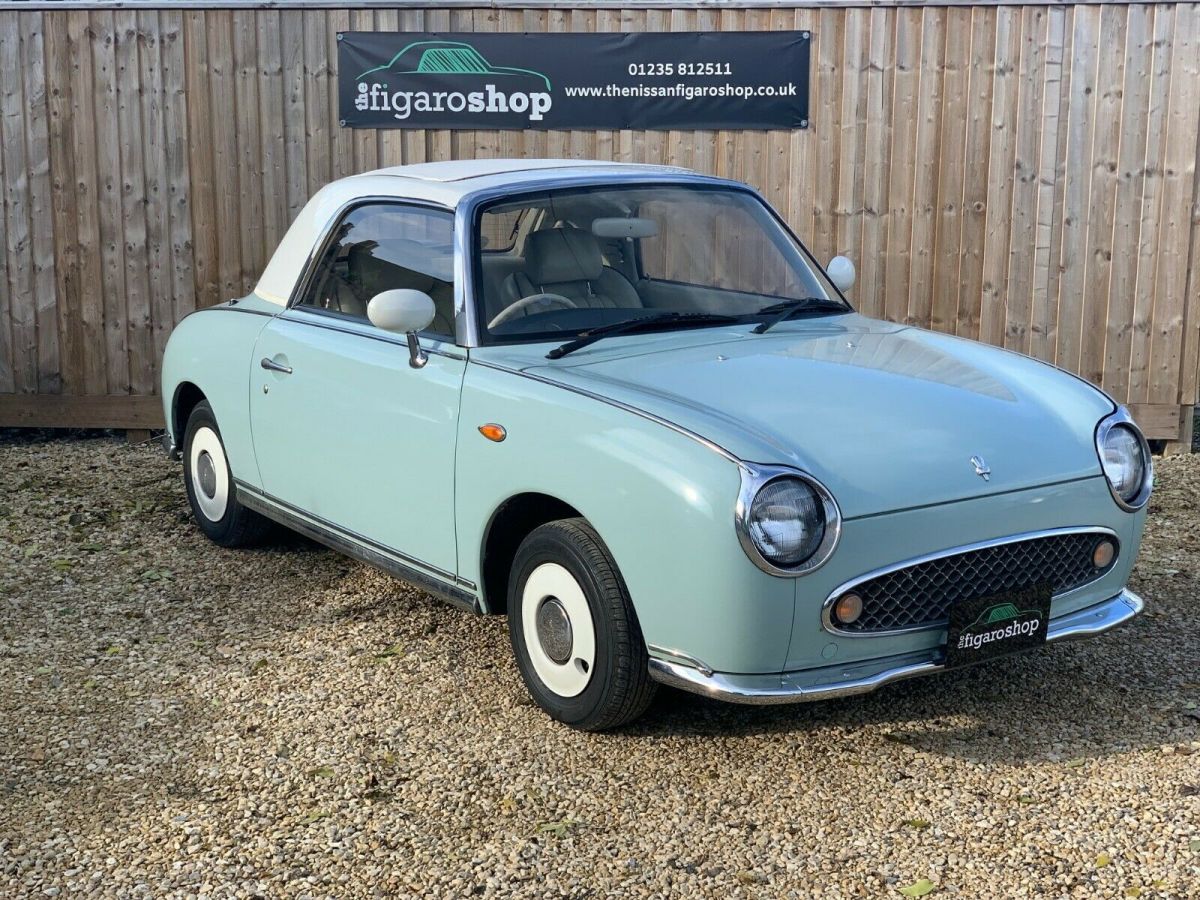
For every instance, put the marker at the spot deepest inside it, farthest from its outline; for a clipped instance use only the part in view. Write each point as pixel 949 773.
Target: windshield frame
pixel 469 238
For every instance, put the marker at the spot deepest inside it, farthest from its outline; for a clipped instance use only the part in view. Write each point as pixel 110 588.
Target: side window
pixel 383 246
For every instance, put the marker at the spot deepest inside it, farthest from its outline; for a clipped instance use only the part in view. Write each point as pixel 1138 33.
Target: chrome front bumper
pixel 863 677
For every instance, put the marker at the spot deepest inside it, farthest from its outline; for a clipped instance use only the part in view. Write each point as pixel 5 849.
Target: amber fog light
pixel 849 607
pixel 1103 555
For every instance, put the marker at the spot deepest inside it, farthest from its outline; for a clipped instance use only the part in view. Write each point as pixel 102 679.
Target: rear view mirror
pixel 624 228
pixel 841 272
pixel 404 311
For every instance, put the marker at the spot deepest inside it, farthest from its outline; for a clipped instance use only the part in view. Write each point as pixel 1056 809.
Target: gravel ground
pixel 180 720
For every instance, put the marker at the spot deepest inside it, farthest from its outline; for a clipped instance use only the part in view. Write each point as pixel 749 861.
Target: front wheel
pixel 209 483
pixel 574 632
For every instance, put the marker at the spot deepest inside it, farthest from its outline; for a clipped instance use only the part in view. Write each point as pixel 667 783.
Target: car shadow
pixel 1111 694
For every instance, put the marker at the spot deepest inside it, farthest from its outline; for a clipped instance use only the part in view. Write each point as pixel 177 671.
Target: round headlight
pixel 786 521
pixel 1124 462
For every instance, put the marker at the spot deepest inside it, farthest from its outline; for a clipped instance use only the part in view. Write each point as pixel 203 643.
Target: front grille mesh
pixel 921 595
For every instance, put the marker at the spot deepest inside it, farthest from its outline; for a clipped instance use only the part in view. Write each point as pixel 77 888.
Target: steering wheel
pixel 525 302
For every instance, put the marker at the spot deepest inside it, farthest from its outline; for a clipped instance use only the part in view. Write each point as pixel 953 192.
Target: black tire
pixel 619 687
pixel 235 525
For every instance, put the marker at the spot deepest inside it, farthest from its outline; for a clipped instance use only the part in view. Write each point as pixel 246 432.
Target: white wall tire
pixel 552 595
pixel 208 480
pixel 209 473
pixel 574 632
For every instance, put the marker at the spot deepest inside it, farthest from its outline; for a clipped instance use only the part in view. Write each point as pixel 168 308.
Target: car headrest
pixel 556 255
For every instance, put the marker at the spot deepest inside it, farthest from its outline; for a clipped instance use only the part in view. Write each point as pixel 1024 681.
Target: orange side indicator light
pixel 493 432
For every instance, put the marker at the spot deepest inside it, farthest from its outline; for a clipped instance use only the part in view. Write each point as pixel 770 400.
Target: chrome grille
pixel 920 595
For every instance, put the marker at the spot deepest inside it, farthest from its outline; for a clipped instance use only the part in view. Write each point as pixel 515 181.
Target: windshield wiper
pixel 673 318
pixel 777 312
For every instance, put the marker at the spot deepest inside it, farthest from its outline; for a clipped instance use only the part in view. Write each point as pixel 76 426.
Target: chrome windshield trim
pixel 755 476
pixel 1122 417
pixel 827 606
pixel 830 682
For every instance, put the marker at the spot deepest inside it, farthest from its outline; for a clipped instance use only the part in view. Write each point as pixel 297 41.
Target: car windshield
pixel 555 264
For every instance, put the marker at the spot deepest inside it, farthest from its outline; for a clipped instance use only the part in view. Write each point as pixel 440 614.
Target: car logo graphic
pixel 1000 613
pixel 981 467
pixel 447 58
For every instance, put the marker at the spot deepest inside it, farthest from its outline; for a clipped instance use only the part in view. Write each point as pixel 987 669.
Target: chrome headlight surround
pixel 1122 420
pixel 754 478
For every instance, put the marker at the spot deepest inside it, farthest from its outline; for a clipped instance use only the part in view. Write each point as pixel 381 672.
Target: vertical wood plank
pixel 342 138
pixel 226 156
pixel 975 186
pixel 178 193
pixel 134 304
pixel 929 126
pixel 1001 156
pixel 201 181
pixel 68 301
pixel 151 71
pixel 1106 142
pixel 18 318
pixel 1078 184
pixel 1044 302
pixel 245 85
pixel 37 135
pixel 1174 231
pixel 273 153
pixel 1022 232
pixel 870 257
pixel 318 116
pixel 1122 288
pixel 952 169
pixel 108 169
pixel 903 164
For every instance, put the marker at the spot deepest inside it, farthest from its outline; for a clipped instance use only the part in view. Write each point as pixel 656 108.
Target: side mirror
pixel 841 273
pixel 406 312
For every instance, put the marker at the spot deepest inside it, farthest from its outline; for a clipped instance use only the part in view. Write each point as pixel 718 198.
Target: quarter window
pixel 383 246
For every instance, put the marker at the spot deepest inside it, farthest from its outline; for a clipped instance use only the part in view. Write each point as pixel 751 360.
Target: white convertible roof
pixel 444 183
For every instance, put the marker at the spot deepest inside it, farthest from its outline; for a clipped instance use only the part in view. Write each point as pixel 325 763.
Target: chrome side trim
pixel 456 591
pixel 1122 417
pixel 827 622
pixel 860 678
pixel 316 319
pixel 754 477
pixel 678 429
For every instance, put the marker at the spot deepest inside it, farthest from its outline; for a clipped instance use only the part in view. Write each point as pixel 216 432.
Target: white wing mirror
pixel 841 273
pixel 406 312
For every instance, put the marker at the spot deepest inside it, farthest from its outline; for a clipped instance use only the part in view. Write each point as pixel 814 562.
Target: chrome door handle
pixel 271 366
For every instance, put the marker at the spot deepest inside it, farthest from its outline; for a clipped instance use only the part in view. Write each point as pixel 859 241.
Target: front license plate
pixel 983 628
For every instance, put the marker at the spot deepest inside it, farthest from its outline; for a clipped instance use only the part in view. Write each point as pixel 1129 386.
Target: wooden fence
pixel 1020 174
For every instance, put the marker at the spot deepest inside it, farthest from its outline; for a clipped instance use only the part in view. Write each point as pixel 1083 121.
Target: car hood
pixel 886 416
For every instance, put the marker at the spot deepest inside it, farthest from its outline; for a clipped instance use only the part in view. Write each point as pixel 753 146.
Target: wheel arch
pixel 509 525
pixel 186 398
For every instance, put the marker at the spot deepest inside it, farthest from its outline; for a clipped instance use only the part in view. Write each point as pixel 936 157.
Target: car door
pixel 347 433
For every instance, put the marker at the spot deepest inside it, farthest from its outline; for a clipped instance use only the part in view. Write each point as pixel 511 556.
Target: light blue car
pixel 624 406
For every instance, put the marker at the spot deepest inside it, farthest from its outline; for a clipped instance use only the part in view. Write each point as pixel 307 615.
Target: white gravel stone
pixel 178 720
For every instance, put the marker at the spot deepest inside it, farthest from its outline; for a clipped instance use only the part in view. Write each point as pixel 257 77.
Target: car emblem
pixel 981 467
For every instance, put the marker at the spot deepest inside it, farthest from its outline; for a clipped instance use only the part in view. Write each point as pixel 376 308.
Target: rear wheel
pixel 209 483
pixel 573 629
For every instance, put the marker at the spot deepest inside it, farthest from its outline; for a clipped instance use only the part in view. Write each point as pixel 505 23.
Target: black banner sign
pixel 743 79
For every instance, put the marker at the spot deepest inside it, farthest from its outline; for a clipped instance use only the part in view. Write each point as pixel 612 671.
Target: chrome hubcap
pixel 554 630
pixel 208 474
